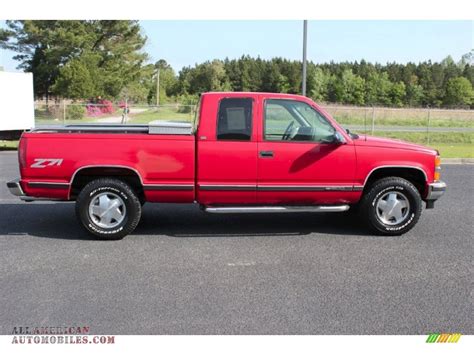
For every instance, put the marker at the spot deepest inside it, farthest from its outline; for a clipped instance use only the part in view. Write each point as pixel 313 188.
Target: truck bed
pixel 161 156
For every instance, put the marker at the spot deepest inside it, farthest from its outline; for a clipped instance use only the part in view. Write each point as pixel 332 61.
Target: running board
pixel 276 209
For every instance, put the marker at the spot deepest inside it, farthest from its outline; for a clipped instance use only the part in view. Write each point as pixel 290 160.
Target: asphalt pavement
pixel 187 272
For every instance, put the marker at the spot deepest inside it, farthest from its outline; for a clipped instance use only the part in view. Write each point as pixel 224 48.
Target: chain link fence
pixel 62 113
pixel 420 125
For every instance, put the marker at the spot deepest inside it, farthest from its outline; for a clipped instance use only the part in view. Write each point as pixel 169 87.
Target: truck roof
pixel 252 93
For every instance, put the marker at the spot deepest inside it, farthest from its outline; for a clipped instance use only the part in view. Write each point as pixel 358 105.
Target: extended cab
pixel 245 153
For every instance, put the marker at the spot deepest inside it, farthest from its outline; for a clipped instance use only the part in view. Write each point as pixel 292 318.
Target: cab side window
pixel 234 121
pixel 291 120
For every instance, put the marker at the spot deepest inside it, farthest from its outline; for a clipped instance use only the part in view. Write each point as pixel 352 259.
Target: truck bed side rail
pixel 155 127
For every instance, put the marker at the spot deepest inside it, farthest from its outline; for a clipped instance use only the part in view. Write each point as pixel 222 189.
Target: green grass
pixel 435 137
pixel 385 116
pixel 450 145
pixel 8 145
pixel 453 150
pixel 165 113
pixel 393 121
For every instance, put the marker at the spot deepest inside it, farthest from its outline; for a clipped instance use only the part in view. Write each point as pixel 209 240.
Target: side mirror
pixel 339 138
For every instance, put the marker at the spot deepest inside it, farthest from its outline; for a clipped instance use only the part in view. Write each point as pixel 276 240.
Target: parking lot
pixel 187 272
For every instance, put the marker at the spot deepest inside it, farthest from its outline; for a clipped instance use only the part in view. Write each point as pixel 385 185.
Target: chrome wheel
pixel 107 210
pixel 392 208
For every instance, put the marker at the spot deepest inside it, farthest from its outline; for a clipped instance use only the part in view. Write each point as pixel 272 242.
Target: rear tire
pixel 108 208
pixel 391 206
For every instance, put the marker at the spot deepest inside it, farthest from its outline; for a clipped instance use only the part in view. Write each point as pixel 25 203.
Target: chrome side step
pixel 276 209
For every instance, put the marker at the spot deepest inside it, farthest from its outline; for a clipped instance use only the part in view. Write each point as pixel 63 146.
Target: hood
pixel 381 142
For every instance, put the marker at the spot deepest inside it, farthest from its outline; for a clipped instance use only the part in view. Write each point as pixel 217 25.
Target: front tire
pixel 391 206
pixel 108 208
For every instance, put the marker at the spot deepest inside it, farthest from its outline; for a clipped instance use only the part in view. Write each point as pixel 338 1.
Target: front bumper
pixel 435 191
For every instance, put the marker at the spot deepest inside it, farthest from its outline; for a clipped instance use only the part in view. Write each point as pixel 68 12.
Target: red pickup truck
pixel 245 153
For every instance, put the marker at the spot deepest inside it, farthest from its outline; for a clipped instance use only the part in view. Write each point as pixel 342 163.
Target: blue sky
pixel 183 43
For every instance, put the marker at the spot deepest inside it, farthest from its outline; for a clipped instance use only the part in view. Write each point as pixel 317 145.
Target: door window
pixel 291 120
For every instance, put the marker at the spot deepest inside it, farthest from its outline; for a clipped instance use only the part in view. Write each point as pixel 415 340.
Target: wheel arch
pixel 85 174
pixel 414 174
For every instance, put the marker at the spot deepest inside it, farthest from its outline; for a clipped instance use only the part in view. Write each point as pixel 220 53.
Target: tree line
pixel 83 59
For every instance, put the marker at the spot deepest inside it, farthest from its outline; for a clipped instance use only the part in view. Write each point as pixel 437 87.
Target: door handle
pixel 266 154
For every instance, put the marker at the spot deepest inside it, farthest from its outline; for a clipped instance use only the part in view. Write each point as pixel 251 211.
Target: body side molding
pixel 168 187
pixel 49 185
pixel 206 187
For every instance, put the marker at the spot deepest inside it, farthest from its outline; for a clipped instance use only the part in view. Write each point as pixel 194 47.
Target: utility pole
pixel 305 38
pixel 158 88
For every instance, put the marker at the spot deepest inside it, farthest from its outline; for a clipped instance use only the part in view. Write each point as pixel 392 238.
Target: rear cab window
pixel 234 119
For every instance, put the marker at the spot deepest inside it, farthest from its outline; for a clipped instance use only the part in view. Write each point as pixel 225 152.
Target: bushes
pixel 185 109
pixel 187 102
pixel 75 112
pixel 99 108
pixel 93 110
pixel 106 106
pixel 55 112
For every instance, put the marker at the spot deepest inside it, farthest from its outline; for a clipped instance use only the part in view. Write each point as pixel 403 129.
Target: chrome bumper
pixel 15 188
pixel 435 190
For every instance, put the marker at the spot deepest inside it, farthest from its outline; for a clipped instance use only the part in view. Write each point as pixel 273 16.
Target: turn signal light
pixel 437 168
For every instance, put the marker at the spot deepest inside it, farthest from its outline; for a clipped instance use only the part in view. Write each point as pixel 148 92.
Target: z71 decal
pixel 43 163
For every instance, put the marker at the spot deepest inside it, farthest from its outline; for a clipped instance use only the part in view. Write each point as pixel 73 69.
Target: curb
pixel 447 161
